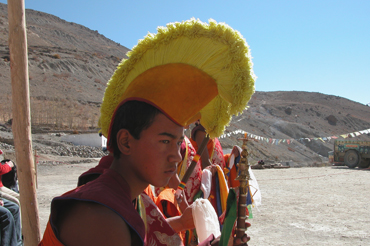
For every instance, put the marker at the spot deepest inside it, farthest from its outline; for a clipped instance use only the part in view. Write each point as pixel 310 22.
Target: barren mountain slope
pixel 69 66
pixel 299 116
pixel 66 60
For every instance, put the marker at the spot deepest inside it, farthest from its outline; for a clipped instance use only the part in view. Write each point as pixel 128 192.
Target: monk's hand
pixel 241 241
pixel 179 198
pixel 238 241
pixel 187 218
pixel 212 168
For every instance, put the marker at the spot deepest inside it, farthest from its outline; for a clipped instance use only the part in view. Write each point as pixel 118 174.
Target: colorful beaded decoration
pixel 181 186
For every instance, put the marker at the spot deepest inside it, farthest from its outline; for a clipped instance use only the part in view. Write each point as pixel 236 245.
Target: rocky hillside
pixel 298 127
pixel 69 66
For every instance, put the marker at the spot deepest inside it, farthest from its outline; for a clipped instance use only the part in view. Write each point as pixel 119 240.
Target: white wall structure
pixel 91 139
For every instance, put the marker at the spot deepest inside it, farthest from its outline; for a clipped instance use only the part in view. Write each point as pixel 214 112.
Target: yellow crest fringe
pixel 214 48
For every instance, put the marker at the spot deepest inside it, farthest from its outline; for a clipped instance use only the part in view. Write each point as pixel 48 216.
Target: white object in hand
pixel 205 219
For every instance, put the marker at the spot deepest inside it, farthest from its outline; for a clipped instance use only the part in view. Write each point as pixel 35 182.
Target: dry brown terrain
pixel 69 66
pixel 300 206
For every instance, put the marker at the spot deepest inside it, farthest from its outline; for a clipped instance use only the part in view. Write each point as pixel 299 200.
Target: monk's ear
pixel 123 141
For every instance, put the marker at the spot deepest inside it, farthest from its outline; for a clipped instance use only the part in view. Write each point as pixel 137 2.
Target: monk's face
pixel 157 152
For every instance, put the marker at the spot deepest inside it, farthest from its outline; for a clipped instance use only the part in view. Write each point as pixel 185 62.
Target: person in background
pixel 5 167
pixel 212 159
pixel 10 179
pixel 10 224
pixel 193 185
pixel 231 169
pixel 214 154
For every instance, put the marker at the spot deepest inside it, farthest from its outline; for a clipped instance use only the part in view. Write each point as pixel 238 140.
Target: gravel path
pixel 312 206
pixel 300 206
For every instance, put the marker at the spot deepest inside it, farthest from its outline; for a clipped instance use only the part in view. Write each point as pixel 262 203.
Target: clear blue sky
pixel 297 45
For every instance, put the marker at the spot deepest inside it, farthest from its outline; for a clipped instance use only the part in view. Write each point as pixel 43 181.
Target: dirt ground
pixel 300 206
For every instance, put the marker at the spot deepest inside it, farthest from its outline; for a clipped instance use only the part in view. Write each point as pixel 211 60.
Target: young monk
pixel 148 102
pixel 146 150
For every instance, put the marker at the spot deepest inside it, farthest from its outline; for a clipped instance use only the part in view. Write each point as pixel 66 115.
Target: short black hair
pixel 134 116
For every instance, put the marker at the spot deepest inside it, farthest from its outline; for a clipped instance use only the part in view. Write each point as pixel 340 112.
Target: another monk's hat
pixel 189 70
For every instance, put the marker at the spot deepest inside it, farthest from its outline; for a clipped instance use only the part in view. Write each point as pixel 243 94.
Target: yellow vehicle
pixel 352 153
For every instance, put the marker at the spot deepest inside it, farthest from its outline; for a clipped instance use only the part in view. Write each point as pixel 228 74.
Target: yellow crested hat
pixel 189 70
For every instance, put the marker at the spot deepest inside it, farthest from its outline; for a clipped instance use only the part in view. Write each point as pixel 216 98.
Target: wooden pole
pixel 22 121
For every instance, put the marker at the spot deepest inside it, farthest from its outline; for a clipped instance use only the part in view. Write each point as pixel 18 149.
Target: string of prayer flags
pixel 302 140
